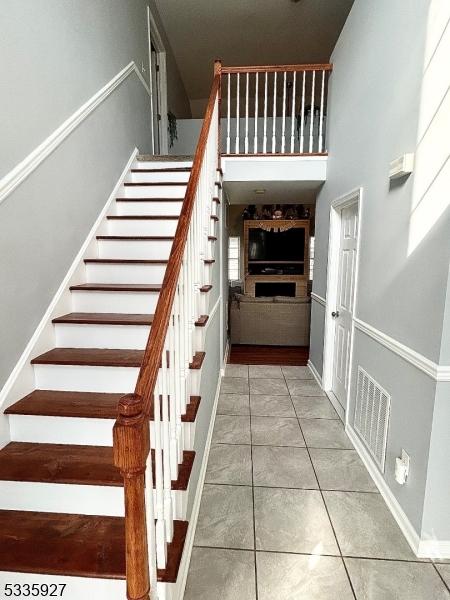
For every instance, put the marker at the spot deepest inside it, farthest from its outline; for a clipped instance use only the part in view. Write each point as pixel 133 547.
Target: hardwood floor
pixel 243 354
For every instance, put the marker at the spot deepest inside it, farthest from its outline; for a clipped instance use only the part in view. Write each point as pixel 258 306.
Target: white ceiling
pixel 276 192
pixel 248 32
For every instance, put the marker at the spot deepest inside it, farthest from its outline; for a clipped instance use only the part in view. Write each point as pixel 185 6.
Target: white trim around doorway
pixel 352 197
pixel 155 38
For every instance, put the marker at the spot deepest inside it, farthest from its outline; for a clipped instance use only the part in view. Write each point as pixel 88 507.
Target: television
pixel 273 246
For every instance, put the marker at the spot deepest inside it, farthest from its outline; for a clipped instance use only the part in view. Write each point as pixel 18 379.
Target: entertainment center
pixel 276 257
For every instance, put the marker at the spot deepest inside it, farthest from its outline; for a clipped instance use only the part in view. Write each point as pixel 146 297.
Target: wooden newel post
pixel 131 448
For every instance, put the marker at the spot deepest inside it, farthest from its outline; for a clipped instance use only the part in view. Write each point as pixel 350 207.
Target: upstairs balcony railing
pixel 278 109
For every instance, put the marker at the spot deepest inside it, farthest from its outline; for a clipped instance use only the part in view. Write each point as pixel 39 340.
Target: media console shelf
pixel 276 251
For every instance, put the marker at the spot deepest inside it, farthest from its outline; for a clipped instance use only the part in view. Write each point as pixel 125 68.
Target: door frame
pixel 353 197
pixel 155 38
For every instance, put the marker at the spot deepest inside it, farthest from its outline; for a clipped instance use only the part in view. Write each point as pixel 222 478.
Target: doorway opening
pixel 158 87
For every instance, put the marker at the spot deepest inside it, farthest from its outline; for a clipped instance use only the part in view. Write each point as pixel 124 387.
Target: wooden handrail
pixel 278 68
pixel 155 344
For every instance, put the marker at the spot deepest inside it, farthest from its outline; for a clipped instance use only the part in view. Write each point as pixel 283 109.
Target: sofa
pixel 272 321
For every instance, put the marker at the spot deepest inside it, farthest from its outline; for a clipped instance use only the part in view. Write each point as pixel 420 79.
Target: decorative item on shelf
pixel 172 128
pixel 277 212
pixel 291 212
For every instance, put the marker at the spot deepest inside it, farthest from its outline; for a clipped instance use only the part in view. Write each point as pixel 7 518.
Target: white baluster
pixel 311 123
pixel 237 115
pixel 255 138
pixel 322 98
pixel 167 479
pixel 274 111
pixel 302 114
pixel 228 114
pixel 246 114
pixel 265 115
pixel 150 520
pixel 283 124
pixel 161 538
pixel 294 79
pixel 173 404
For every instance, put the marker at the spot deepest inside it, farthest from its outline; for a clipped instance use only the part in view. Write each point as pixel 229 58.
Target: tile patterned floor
pixel 288 510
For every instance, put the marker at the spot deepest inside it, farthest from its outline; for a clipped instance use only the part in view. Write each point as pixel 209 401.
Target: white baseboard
pixel 225 358
pixel 412 537
pixel 436 549
pixel 189 543
pixel 315 372
pixel 21 380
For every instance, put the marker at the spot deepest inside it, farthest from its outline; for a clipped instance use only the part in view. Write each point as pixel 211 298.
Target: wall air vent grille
pixel 371 420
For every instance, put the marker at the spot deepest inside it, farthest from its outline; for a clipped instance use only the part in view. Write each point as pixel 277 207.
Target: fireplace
pixel 274 288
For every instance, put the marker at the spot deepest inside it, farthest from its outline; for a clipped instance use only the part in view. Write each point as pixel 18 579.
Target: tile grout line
pixel 253 487
pixel 323 499
pixel 439 575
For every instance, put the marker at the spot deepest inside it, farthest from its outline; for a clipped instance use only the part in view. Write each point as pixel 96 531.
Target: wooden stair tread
pixel 72 464
pixel 85 405
pixel 126 261
pixel 68 544
pixel 154 183
pixel 105 319
pixel 161 170
pixel 202 320
pixel 138 238
pixel 209 261
pixel 214 217
pixel 216 200
pixel 197 361
pixel 74 545
pixel 116 287
pixel 143 217
pixel 99 357
pixel 206 288
pixel 149 200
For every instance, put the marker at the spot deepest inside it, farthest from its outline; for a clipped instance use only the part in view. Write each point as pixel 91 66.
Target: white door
pixel 345 298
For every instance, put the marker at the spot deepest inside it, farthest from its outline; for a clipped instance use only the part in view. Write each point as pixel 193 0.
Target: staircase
pixel 62 515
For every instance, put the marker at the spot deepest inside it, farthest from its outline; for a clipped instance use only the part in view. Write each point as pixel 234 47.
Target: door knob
pixel 335 314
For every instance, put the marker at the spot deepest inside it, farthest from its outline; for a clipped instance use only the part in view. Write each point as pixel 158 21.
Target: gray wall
pixel 55 56
pixel 386 99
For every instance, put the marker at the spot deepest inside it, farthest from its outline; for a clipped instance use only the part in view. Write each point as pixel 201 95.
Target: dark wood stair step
pixel 74 545
pixel 72 464
pixel 154 183
pixel 212 238
pixel 209 261
pixel 160 170
pixel 80 318
pixel 85 405
pixel 149 199
pixel 214 218
pixel 202 320
pixel 93 357
pixel 116 287
pixel 143 217
pixel 216 200
pixel 100 357
pixel 206 288
pixel 137 238
pixel 125 261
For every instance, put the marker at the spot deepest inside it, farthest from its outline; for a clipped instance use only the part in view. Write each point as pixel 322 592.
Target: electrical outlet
pixel 402 468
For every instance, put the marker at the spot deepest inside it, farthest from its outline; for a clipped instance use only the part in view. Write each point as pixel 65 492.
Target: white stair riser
pixel 154 177
pixel 152 191
pixel 120 302
pixel 76 587
pixel 125 273
pixel 161 164
pixel 142 227
pixel 42 429
pixel 76 378
pixel 151 249
pixel 74 335
pixel 105 500
pixel 152 209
